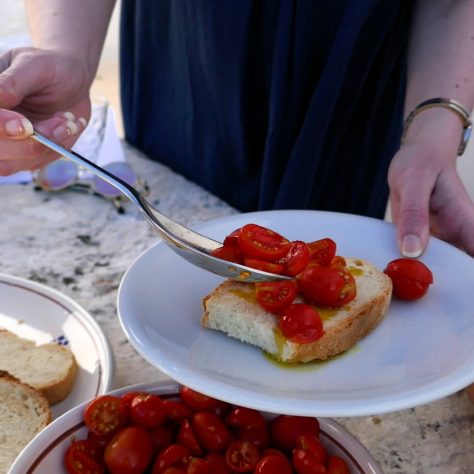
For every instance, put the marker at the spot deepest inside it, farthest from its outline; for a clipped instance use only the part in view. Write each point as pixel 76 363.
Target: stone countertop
pixel 78 244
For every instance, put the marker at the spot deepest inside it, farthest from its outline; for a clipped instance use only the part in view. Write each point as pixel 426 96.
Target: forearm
pixel 441 60
pixel 78 27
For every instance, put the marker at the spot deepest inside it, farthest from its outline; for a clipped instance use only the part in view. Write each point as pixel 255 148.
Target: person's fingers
pixel 14 125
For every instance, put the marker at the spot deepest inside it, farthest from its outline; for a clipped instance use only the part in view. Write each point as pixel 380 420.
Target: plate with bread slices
pixel 354 330
pixel 53 356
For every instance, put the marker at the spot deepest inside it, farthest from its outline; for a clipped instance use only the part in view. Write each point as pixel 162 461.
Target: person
pixel 268 104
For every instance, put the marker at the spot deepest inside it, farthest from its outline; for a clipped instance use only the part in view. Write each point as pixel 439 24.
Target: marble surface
pixel 79 245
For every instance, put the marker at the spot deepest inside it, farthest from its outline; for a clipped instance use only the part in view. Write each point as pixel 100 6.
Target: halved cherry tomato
pixel 259 242
pixel 83 457
pixel 272 464
pixel 232 240
pixel 275 296
pixel 297 258
pixel 327 286
pixel 147 410
pixel 322 251
pixel 241 456
pixel 105 415
pixel 217 464
pixel 200 402
pixel 286 429
pixel 411 278
pixel 173 455
pixel 188 439
pixel 337 465
pixel 300 323
pixel 231 254
pixel 130 451
pixel 311 443
pixel 211 432
pixel 271 267
pixel 305 462
pixel 338 262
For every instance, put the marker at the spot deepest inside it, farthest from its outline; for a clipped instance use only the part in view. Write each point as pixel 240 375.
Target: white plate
pixel 420 352
pixel 45 453
pixel 39 313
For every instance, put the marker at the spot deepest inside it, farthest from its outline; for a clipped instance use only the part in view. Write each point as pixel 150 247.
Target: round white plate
pixel 41 314
pixel 420 352
pixel 45 453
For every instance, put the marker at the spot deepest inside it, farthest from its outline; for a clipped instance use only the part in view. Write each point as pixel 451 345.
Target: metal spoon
pixel 193 247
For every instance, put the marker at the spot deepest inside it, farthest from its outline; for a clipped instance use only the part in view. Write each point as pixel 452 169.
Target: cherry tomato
pixel 83 457
pixel 172 470
pixel 246 417
pixel 286 429
pixel 337 465
pixel 231 254
pixel 161 437
pixel 241 456
pixel 311 443
pixel 147 410
pixel 257 436
pixel 275 296
pixel 272 464
pixel 200 402
pixel 105 415
pixel 297 258
pixel 305 462
pixel 99 441
pixel 188 439
pixel 232 240
pixel 210 431
pixel 176 410
pixel 128 397
pixel 173 455
pixel 259 242
pixel 129 452
pixel 327 286
pixel 217 464
pixel 301 323
pixel 270 267
pixel 322 251
pixel 338 262
pixel 198 466
pixel 411 278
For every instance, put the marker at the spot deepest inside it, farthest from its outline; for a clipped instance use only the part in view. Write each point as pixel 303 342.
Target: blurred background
pixel 14 32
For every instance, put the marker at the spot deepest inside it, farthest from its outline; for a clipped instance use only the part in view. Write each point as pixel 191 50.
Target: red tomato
pixel 173 470
pixel 161 437
pixel 411 278
pixel 173 455
pixel 258 264
pixel 286 429
pixel 312 444
pixel 210 431
pixel 257 436
pixel 83 457
pixel 300 323
pixel 99 441
pixel 297 258
pixel 105 415
pixel 246 417
pixel 272 464
pixel 232 240
pixel 275 296
pixel 231 254
pixel 147 410
pixel 305 462
pixel 217 464
pixel 322 251
pixel 327 286
pixel 129 451
pixel 200 402
pixel 177 411
pixel 128 397
pixel 198 466
pixel 337 465
pixel 241 456
pixel 338 262
pixel 188 439
pixel 260 242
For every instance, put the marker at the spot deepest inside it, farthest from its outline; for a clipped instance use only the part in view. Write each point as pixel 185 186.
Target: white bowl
pixel 45 453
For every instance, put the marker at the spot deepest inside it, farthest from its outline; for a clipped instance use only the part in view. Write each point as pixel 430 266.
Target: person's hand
pixel 426 194
pixel 47 89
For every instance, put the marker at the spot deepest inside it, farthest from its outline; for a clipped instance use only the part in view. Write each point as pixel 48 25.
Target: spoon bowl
pixel 188 244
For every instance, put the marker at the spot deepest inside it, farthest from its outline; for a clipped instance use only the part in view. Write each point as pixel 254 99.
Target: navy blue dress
pixel 269 104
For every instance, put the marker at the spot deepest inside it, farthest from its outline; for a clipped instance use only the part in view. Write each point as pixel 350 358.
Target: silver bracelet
pixel 450 104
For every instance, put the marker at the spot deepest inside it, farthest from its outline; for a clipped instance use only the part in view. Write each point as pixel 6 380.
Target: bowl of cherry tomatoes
pixel 166 428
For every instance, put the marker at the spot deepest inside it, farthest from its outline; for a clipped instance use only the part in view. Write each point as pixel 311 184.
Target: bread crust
pixel 347 326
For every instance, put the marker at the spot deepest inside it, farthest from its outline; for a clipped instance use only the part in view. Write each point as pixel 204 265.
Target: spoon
pixel 193 247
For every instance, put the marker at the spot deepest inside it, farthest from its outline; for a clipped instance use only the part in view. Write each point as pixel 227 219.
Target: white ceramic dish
pixel 44 454
pixel 420 352
pixel 39 313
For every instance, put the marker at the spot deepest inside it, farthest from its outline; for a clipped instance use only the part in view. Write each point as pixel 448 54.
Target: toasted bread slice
pixel 49 368
pixel 233 309
pixel 23 412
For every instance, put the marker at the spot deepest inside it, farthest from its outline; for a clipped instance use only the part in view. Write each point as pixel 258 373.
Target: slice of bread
pixel 233 309
pixel 24 412
pixel 49 368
